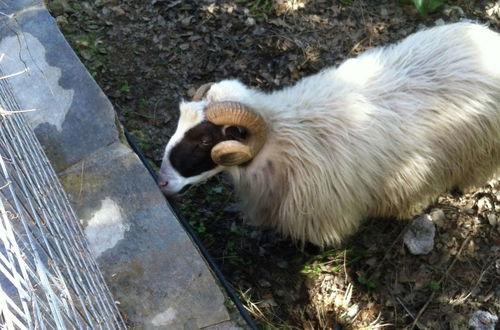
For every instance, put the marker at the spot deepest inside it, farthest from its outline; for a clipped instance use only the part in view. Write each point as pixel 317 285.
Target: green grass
pixel 367 283
pixel 332 261
pixel 425 7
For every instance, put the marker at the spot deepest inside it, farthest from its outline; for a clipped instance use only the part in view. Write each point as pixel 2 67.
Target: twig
pixel 345 270
pixel 5 113
pixel 422 310
pixel 357 45
pixel 404 307
pixel 386 255
pixel 13 74
pixel 480 278
pixel 81 184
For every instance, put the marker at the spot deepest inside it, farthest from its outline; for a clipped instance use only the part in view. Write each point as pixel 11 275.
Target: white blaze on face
pixel 171 181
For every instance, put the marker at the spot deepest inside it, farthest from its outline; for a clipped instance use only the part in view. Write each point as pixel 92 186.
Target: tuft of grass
pixel 125 87
pixel 332 261
pixel 426 7
pixel 367 283
pixel 143 103
pixel 143 140
pixel 434 285
pixel 258 8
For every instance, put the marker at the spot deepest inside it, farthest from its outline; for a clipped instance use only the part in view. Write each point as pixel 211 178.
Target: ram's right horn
pixel 202 91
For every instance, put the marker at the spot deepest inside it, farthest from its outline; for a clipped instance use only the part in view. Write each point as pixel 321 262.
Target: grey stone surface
pixel 150 264
pixel 9 7
pixel 148 261
pixel 72 117
pixel 419 239
pixel 482 320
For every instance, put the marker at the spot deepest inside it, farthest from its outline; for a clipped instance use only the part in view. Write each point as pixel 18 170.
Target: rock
pixel 492 219
pixel 268 302
pixel 494 10
pixel 419 239
pixel 353 311
pixel 250 21
pixel 264 283
pixel 439 22
pixel 469 211
pixel 484 204
pixel 234 208
pixel 438 217
pixel 482 320
pixel 282 264
pixel 453 11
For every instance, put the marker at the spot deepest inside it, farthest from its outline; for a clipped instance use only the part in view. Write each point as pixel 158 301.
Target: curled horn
pixel 202 90
pixel 230 153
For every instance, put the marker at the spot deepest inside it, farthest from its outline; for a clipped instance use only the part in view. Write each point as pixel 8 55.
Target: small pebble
pixel 282 264
pixel 439 22
pixel 419 239
pixel 484 204
pixel 482 320
pixel 469 211
pixel 438 217
pixel 265 284
pixel 250 21
pixel 492 219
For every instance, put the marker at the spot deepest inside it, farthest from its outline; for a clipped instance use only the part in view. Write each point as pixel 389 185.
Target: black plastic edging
pixel 230 291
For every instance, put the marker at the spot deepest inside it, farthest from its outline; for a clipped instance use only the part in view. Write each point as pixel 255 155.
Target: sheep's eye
pixel 206 141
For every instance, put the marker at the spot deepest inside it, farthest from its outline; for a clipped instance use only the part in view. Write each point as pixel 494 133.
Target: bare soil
pixel 148 55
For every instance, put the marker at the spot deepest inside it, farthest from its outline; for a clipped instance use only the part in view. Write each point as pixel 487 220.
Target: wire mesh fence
pixel 48 278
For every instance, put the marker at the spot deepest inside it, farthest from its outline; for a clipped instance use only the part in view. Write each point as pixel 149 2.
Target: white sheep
pixel 381 135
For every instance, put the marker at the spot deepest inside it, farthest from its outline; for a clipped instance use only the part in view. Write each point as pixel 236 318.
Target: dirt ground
pixel 148 55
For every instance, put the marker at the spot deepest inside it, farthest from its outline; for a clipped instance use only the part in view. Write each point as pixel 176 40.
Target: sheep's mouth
pixel 184 189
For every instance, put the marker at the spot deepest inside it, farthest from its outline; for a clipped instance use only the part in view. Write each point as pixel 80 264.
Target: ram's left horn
pixel 230 153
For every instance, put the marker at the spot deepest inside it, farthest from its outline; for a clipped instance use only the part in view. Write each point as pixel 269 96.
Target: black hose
pixel 196 239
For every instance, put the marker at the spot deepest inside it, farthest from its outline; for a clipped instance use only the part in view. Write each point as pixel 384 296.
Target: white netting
pixel 48 278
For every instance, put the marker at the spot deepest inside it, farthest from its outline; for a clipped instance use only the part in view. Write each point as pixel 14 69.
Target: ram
pixel 381 135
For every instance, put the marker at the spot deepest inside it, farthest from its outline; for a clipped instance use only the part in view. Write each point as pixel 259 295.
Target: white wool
pixel 382 135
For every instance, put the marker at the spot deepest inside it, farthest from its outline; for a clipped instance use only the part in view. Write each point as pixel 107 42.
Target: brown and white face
pixel 209 137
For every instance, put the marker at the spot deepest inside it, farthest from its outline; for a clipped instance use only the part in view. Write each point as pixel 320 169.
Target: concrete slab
pixel 72 117
pixel 148 261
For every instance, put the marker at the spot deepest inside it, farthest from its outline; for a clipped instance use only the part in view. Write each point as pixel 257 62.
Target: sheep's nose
pixel 163 183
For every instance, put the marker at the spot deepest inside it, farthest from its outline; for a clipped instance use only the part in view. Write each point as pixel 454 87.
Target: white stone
pixel 492 219
pixel 484 204
pixel 250 21
pixel 164 319
pixel 439 22
pixel 105 228
pixel 482 320
pixel 438 217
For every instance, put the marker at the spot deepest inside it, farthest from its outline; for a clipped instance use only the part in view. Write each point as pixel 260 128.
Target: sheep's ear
pixel 234 133
pixel 231 153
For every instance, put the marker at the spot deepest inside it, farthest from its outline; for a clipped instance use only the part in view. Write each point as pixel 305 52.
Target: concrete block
pixel 72 117
pixel 148 261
